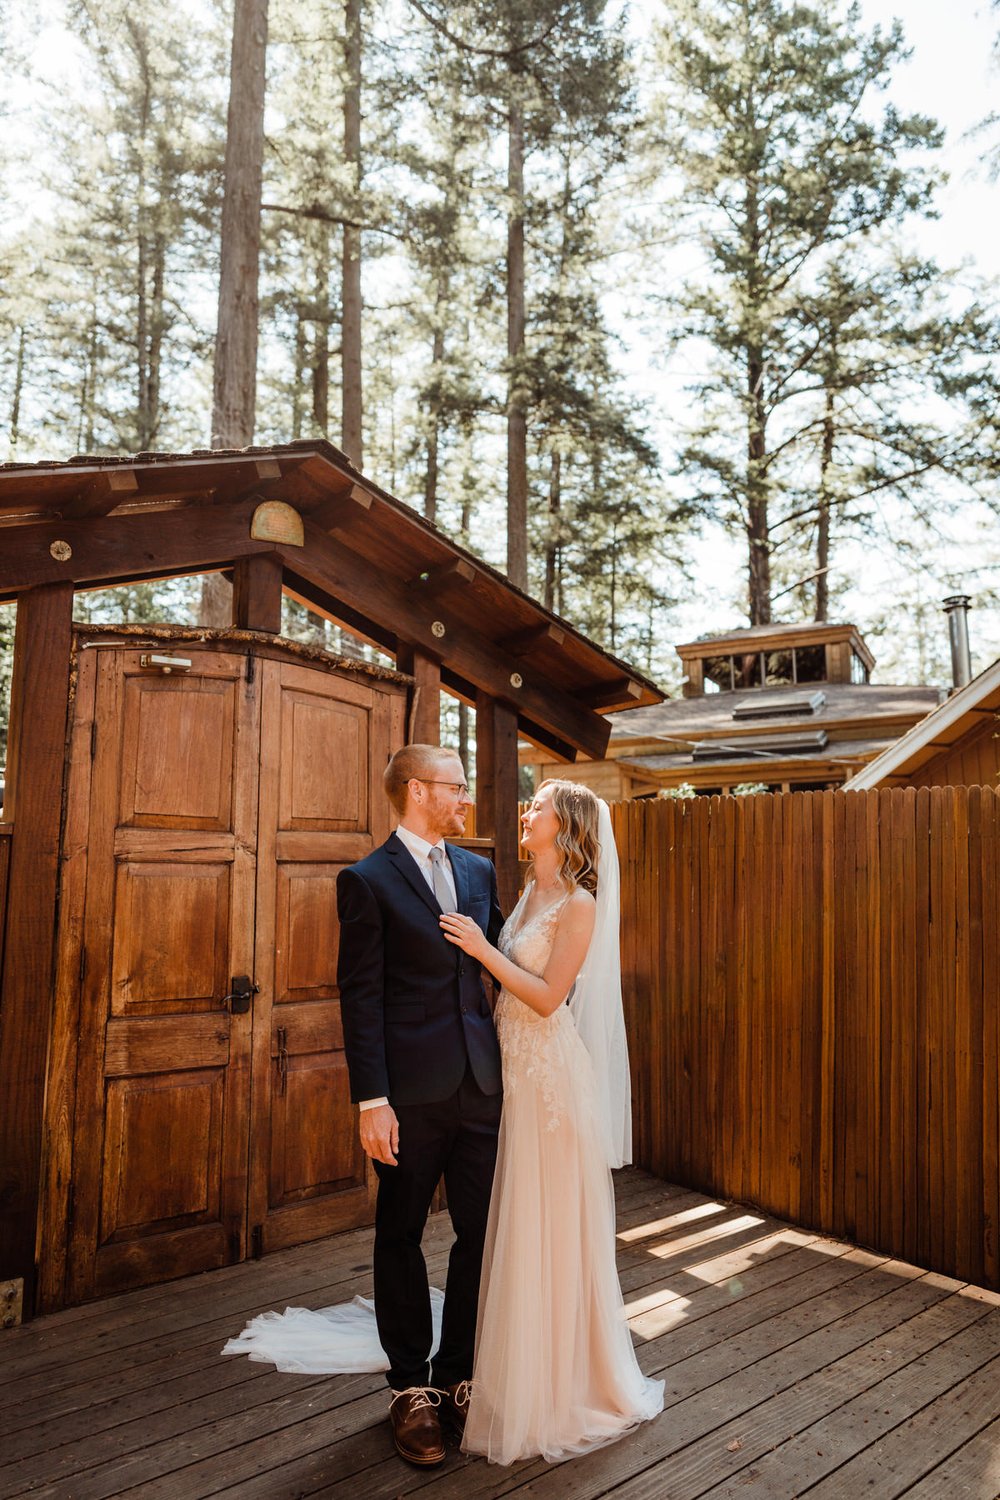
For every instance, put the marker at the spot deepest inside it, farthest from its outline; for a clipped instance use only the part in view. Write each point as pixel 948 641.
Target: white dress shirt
pixel 421 852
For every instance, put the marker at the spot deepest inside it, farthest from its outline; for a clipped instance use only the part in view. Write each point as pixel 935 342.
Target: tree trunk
pixel 15 402
pixel 434 422
pixel 154 353
pixel 463 736
pixel 758 535
pixel 321 344
pixel 517 422
pixel 552 546
pixel 300 373
pixel 350 333
pixel 823 527
pixel 235 388
pixel 142 422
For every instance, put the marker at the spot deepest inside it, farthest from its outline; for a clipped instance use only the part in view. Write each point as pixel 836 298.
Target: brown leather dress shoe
pixel 455 1405
pixel 416 1428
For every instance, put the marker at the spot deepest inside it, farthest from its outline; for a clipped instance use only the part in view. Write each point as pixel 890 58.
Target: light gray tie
pixel 442 892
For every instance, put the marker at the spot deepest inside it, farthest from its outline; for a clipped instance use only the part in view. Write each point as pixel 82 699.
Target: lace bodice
pixel 529 1043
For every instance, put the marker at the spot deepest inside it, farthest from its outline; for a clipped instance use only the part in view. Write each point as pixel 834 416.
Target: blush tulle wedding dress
pixel 555 1373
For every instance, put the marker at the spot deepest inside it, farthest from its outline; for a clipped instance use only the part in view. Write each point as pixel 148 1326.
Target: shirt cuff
pixel 371 1103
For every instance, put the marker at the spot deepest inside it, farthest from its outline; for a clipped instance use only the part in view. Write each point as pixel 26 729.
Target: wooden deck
pixel 794 1365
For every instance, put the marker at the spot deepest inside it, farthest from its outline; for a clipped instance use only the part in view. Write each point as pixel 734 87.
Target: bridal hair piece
pixel 596 1003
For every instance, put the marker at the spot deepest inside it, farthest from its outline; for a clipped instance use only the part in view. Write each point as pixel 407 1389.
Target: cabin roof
pixel 369 560
pixel 710 715
pixel 957 716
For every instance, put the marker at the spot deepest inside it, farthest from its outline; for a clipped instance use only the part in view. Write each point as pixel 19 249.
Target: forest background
pixel 670 309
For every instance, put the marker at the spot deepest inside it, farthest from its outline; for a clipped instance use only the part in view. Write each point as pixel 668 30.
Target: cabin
pixel 958 744
pixel 773 707
pixel 173 1092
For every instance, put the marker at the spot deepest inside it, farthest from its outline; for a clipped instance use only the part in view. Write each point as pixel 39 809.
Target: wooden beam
pixel 39 703
pixel 101 494
pixel 458 570
pixel 496 791
pixel 524 642
pixel 127 547
pixel 560 748
pixel 260 479
pixel 424 717
pixel 610 694
pixel 338 508
pixel 257 593
pixel 361 585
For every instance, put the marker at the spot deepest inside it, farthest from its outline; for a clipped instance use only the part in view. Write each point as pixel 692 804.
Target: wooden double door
pixel 210 1114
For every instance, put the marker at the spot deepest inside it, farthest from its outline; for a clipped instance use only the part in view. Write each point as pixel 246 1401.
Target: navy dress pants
pixel 455 1139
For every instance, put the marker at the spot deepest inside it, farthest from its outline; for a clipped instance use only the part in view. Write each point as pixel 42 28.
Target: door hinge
pixel 257 1241
pixel 93 739
pixel 251 667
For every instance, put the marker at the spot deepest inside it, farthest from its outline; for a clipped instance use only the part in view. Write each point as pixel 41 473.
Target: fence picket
pixel 812 986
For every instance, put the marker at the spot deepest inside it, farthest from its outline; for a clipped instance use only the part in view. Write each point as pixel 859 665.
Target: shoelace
pixel 463 1393
pixel 424 1395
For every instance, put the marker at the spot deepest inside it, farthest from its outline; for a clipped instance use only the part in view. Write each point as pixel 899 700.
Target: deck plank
pixel 794 1364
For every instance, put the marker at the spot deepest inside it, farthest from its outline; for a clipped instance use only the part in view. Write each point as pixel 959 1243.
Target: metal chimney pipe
pixel 956 607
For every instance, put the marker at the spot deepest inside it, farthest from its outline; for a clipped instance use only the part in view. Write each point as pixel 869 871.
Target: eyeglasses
pixel 458 787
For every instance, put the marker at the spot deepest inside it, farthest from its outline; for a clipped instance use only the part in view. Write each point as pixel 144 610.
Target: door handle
pixel 242 992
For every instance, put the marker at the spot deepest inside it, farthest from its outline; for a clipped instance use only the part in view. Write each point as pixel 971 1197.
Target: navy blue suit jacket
pixel 413 1005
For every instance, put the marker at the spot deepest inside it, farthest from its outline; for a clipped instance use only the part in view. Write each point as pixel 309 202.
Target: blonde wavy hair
pixel 575 807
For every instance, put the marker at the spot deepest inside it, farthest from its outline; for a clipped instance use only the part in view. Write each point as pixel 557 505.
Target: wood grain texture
pixel 42 656
pixel 790 1360
pixel 257 593
pixel 811 985
pixel 496 791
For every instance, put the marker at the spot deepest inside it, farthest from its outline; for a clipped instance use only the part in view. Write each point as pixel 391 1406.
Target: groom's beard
pixel 450 821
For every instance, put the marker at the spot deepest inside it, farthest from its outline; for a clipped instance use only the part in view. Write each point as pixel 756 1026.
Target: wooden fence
pixel 812 985
pixel 6 832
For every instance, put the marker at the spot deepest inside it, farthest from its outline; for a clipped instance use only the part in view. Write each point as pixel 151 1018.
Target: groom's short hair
pixel 412 761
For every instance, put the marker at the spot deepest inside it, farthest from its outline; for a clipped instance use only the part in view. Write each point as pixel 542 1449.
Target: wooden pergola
pixel 295 519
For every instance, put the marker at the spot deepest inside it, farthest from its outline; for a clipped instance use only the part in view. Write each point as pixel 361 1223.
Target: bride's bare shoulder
pixel 580 905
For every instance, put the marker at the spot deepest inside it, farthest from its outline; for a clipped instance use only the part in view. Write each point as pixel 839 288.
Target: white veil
pixel 596 1003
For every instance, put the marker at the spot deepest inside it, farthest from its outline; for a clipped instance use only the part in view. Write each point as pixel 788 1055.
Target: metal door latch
pixel 239 997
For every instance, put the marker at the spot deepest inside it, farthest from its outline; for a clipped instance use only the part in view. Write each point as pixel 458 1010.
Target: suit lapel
pixel 408 868
pixel 460 870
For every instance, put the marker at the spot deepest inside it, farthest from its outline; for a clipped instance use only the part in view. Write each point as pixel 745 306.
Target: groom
pixel 424 1067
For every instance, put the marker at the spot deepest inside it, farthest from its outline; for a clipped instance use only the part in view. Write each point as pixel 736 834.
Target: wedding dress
pixel 555 1370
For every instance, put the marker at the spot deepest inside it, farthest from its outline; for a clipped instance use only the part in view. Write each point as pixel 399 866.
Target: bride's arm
pixel 544 993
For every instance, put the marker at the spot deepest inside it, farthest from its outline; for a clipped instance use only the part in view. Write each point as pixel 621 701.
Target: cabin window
pixel 778 667
pixel 747 669
pixel 718 670
pixel 859 672
pixel 810 663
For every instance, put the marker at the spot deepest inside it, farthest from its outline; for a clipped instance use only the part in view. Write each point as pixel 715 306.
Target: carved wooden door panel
pixel 324 745
pixel 163 1082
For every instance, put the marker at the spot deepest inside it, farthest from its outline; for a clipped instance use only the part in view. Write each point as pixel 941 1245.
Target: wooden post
pixel 39 701
pixel 424 723
pixel 257 593
pixel 496 790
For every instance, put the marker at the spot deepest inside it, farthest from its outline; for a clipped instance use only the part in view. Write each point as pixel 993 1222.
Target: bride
pixel 555 1372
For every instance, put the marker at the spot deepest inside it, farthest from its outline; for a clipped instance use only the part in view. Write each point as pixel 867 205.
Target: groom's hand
pixel 380 1133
